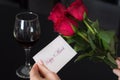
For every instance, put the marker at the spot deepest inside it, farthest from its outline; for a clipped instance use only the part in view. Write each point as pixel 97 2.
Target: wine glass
pixel 26 32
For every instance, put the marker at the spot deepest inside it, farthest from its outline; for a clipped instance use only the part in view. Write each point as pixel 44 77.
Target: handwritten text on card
pixel 56 54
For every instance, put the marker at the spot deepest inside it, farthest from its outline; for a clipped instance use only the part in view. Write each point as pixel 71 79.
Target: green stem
pixel 80 34
pixel 89 27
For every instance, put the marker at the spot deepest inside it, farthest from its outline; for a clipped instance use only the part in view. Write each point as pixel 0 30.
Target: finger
pixel 34 73
pixel 118 62
pixel 43 69
pixel 46 73
pixel 117 72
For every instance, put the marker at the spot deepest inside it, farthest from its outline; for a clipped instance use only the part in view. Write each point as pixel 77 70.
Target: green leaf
pixel 105 45
pixel 106 36
pixel 78 48
pixel 84 55
pixel 70 41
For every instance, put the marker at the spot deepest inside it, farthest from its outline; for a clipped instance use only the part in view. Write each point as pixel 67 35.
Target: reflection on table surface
pixel 12 55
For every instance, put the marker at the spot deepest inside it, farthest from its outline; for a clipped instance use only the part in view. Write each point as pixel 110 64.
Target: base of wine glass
pixel 23 72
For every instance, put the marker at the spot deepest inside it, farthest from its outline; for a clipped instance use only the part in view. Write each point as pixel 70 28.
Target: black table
pixel 12 55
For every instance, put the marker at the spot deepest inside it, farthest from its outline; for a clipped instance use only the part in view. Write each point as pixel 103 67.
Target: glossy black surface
pixel 12 55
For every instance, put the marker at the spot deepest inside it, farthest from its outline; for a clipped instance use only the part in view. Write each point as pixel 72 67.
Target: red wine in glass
pixel 27 44
pixel 26 32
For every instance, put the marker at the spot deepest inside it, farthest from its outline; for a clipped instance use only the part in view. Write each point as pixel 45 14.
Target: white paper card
pixel 56 54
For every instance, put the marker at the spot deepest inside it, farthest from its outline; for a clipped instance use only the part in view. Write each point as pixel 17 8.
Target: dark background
pixel 12 55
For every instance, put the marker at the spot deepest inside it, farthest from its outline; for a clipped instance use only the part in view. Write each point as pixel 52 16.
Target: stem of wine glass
pixel 27 52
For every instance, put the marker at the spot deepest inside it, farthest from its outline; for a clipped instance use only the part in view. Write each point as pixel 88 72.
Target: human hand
pixel 40 72
pixel 117 71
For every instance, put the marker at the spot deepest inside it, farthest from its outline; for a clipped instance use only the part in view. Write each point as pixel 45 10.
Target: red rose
pixel 77 9
pixel 65 27
pixel 57 13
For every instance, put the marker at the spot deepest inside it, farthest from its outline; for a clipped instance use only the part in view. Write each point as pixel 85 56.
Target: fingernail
pixel 114 70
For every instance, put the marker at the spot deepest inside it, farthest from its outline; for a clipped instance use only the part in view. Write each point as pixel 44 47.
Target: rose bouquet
pixel 83 34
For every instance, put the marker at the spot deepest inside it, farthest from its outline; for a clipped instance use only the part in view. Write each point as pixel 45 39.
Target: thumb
pixel 34 73
pixel 43 69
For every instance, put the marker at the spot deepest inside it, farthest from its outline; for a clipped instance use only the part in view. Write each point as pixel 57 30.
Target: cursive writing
pixel 55 54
